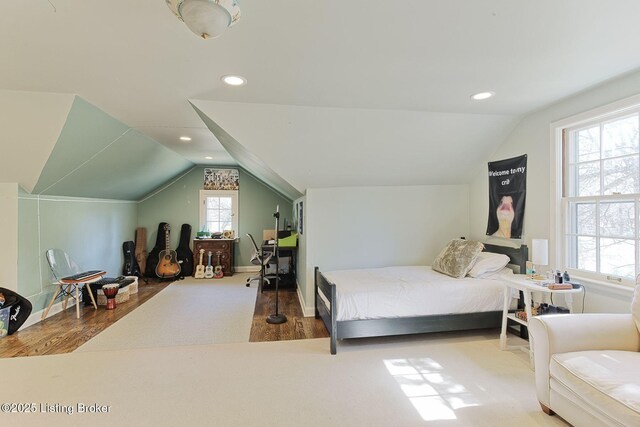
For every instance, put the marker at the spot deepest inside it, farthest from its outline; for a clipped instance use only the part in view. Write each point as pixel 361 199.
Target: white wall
pixel 363 227
pixel 532 137
pixel 31 123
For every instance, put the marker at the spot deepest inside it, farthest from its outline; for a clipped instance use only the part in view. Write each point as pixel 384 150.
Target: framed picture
pixel 300 217
pixel 221 179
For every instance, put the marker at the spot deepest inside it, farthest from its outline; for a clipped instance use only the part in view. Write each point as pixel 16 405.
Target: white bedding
pixel 412 291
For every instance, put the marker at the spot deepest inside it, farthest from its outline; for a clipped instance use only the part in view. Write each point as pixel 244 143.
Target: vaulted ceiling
pixel 339 92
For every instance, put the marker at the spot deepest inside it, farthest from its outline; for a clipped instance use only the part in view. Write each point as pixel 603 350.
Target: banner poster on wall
pixel 507 193
pixel 221 179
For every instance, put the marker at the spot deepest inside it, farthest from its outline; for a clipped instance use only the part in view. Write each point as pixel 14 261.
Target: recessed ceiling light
pixel 209 158
pixel 482 95
pixel 185 138
pixel 234 80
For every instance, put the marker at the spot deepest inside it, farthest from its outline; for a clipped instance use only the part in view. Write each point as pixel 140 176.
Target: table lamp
pixel 539 253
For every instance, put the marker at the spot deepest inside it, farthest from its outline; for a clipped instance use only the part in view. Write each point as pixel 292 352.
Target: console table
pixel 224 246
pixel 528 287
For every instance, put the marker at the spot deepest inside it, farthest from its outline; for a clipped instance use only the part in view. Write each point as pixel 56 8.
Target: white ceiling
pixel 137 62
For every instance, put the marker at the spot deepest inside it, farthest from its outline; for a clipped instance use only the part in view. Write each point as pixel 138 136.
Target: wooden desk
pixel 224 246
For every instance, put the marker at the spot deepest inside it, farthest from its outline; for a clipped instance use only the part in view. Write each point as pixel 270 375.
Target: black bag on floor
pixel 20 309
pixel 154 256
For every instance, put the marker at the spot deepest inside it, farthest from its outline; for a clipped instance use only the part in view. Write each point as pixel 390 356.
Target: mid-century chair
pixel 62 267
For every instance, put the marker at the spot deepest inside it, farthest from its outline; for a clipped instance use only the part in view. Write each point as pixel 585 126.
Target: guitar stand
pixel 276 318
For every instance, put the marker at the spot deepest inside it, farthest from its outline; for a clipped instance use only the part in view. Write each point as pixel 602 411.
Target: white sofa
pixel 587 366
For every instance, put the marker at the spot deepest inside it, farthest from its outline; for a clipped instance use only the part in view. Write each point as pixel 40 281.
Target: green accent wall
pixel 90 230
pixel 178 203
pixel 97 156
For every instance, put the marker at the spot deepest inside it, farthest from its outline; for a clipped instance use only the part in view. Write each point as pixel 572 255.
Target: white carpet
pixel 440 380
pixel 187 312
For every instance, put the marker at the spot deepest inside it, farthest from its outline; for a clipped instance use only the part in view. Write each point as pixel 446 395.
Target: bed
pixel 340 322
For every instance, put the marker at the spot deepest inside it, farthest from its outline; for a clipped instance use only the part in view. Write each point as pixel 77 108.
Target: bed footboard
pixel 324 312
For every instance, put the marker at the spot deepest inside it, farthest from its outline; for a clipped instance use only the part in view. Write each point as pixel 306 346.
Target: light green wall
pixel 90 230
pixel 97 156
pixel 178 202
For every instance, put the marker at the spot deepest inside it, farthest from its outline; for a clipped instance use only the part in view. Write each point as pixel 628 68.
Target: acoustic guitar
pixel 200 267
pixel 168 266
pixel 217 270
pixel 208 272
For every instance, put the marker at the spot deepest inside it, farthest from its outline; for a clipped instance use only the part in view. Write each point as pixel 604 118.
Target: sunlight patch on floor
pixel 434 394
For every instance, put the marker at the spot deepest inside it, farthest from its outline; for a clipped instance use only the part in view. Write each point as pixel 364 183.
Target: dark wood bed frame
pixel 344 329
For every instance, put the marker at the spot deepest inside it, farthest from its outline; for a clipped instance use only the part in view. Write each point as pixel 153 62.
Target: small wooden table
pixel 522 282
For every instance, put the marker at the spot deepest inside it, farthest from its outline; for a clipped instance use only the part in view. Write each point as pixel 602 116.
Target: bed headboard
pixel 518 256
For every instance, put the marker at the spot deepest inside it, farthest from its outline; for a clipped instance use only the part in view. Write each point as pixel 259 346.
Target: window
pixel 219 210
pixel 601 197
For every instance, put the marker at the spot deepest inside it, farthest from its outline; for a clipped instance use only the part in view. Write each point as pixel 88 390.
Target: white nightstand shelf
pixel 521 282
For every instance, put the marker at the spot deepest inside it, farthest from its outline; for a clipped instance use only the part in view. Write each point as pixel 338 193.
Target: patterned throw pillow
pixel 457 258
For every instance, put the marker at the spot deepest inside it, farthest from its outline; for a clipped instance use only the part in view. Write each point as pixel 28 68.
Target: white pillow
pixel 488 263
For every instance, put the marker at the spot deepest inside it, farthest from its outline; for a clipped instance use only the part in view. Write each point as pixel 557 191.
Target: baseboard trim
pixel 37 316
pixel 247 269
pixel 306 311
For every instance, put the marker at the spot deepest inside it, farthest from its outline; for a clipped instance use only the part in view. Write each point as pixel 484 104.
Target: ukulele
pixel 208 272
pixel 168 259
pixel 200 267
pixel 217 271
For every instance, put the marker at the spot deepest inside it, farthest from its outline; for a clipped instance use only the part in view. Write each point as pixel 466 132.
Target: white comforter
pixel 412 291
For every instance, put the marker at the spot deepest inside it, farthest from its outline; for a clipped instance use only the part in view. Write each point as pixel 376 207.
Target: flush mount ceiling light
pixel 206 18
pixel 185 138
pixel 480 96
pixel 234 80
pixel 209 158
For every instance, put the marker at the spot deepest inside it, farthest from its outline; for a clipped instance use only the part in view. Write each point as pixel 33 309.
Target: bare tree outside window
pixel 602 195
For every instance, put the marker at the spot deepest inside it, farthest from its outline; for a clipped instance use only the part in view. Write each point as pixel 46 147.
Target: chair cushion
pixel 607 380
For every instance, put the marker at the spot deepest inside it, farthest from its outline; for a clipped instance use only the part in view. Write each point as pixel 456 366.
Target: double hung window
pixel 601 197
pixel 219 210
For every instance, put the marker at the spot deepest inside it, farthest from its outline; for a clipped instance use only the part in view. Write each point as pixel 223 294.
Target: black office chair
pixel 260 258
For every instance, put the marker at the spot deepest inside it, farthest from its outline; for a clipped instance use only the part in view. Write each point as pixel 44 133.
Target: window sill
pixel 609 288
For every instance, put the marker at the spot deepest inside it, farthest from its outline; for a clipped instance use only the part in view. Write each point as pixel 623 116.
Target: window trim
pixel 558 219
pixel 202 216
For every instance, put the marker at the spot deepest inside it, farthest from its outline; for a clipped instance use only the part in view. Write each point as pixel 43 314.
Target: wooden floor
pixel 297 326
pixel 63 333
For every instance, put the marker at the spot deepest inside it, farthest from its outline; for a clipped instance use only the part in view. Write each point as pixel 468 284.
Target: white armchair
pixel 587 367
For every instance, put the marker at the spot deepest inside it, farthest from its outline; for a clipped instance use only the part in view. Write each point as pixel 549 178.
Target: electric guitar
pixel 168 266
pixel 217 270
pixel 208 272
pixel 185 256
pixel 130 267
pixel 200 267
